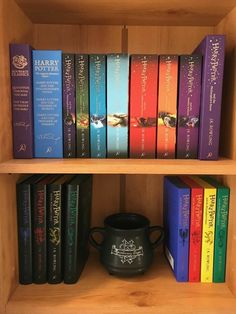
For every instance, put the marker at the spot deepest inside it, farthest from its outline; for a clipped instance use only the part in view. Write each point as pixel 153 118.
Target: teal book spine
pixel 97 92
pixel 117 105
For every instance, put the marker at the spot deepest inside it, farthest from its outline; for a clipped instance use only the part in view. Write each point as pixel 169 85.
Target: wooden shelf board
pixel 132 12
pixel 119 166
pixel 98 292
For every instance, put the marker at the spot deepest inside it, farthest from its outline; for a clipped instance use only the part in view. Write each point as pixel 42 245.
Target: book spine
pixel 97 106
pixel 195 241
pixel 71 235
pixel 21 97
pixel 167 106
pixel 183 237
pixel 54 240
pixel 143 106
pixel 47 79
pixel 82 105
pixel 213 51
pixel 39 234
pixel 117 105
pixel 208 233
pixel 68 62
pixel 24 233
pixel 222 208
pixel 188 106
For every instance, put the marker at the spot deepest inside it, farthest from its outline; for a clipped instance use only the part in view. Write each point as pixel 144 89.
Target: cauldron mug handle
pixel 159 239
pixel 92 241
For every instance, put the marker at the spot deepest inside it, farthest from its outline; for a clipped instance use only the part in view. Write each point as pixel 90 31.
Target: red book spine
pixel 195 240
pixel 143 106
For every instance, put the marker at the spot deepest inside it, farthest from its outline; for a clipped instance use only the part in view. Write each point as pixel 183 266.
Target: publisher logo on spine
pixel 19 62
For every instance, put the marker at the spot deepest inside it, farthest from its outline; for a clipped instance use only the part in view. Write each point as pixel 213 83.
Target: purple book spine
pixel 213 50
pixel 69 105
pixel 21 95
pixel 189 106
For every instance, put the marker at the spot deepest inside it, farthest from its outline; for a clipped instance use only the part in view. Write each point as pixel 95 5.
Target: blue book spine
pixel 47 93
pixel 97 92
pixel 176 222
pixel 117 105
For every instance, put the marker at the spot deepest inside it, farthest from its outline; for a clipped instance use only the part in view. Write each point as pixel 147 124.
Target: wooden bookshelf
pixel 135 26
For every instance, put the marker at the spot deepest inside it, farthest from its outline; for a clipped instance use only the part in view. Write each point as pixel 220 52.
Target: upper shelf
pixel 119 166
pixel 127 12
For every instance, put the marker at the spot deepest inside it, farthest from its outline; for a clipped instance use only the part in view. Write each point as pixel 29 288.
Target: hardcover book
pixel 208 230
pixel 117 105
pixel 98 117
pixel 55 205
pixel 21 98
pixel 82 105
pixel 195 235
pixel 47 87
pixel 77 224
pixel 212 49
pixel 167 106
pixel 188 106
pixel 68 61
pixel 143 106
pixel 176 224
pixel 221 229
pixel 39 229
pixel 24 209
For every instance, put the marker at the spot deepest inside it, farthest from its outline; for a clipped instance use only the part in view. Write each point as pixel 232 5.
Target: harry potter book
pixel 55 205
pixel 77 224
pixel 143 106
pixel 176 224
pixel 117 105
pixel 47 87
pixel 82 105
pixel 21 98
pixel 208 230
pixel 98 114
pixel 188 106
pixel 69 130
pixel 195 235
pixel 212 48
pixel 167 106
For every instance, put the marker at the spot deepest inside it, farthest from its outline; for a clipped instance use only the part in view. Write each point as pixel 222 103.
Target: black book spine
pixel 39 234
pixel 54 233
pixel 24 233
pixel 71 235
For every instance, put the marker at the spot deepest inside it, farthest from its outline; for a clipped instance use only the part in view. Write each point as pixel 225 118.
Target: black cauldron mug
pixel 126 248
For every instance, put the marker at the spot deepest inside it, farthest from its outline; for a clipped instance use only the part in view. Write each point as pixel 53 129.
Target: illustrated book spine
pixel 47 88
pixel 117 105
pixel 188 106
pixel 143 106
pixel 82 105
pixel 68 62
pixel 167 106
pixel 97 88
pixel 212 49
pixel 21 98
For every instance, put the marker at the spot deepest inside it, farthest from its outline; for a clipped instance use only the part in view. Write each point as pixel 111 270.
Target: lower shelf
pixel 98 292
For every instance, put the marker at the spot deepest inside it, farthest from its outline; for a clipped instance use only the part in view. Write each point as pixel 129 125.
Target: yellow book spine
pixel 208 234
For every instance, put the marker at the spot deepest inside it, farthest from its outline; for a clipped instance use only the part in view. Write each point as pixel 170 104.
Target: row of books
pixel 53 214
pixel 98 106
pixel 196 222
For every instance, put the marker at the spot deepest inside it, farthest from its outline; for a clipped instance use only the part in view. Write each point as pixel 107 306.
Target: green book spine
pixel 82 105
pixel 222 209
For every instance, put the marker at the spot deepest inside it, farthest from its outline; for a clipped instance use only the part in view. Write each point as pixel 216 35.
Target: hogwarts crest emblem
pixel 127 251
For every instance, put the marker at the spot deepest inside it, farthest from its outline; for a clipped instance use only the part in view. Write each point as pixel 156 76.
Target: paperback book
pixel 143 106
